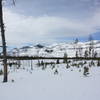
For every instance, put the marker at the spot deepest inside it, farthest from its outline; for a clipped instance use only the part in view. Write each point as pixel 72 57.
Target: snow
pixel 59 49
pixel 44 85
pixel 39 84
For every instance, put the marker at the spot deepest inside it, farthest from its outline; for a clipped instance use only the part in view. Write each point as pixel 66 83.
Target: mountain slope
pixel 56 50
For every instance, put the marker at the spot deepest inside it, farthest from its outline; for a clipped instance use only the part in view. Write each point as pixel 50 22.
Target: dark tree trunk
pixel 3 43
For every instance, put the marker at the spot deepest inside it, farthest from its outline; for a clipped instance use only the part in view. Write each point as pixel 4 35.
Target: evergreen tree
pixel 76 54
pixel 98 63
pixel 86 54
pixel 76 41
pixel 91 46
pixel 65 58
pixel 80 51
pixel 86 71
pixel 57 61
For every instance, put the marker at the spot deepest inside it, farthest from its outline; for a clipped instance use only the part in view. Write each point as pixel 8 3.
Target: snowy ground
pixel 40 84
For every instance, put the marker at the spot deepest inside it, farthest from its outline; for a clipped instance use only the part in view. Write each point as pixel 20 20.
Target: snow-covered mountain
pixel 56 50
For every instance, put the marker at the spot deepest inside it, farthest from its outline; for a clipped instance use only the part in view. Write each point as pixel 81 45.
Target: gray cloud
pixel 48 20
pixel 22 29
pixel 79 9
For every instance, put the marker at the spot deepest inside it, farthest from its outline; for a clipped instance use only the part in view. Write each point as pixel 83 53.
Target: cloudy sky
pixel 49 21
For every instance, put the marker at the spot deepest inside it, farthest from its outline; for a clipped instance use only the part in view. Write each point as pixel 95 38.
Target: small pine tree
pixel 86 53
pixel 80 51
pixel 76 54
pixel 92 63
pixel 65 58
pixel 67 66
pixel 95 54
pixel 91 46
pixel 76 41
pixel 38 63
pixel 56 72
pixel 53 66
pixel 86 71
pixel 57 61
pixel 98 63
pixel 42 63
pixel 1 72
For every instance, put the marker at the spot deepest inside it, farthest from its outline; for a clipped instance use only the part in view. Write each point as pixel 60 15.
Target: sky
pixel 50 21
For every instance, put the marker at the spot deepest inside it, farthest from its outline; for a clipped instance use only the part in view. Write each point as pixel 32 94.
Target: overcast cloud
pixel 47 25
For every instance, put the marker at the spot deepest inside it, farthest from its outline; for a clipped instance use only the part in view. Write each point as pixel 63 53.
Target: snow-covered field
pixel 37 84
pixel 52 82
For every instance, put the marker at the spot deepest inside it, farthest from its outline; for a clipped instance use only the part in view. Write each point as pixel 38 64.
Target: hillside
pixel 56 50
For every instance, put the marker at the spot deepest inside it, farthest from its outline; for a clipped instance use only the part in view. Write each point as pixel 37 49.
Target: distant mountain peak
pixel 39 46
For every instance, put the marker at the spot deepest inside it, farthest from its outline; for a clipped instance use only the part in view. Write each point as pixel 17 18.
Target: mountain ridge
pixel 57 49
